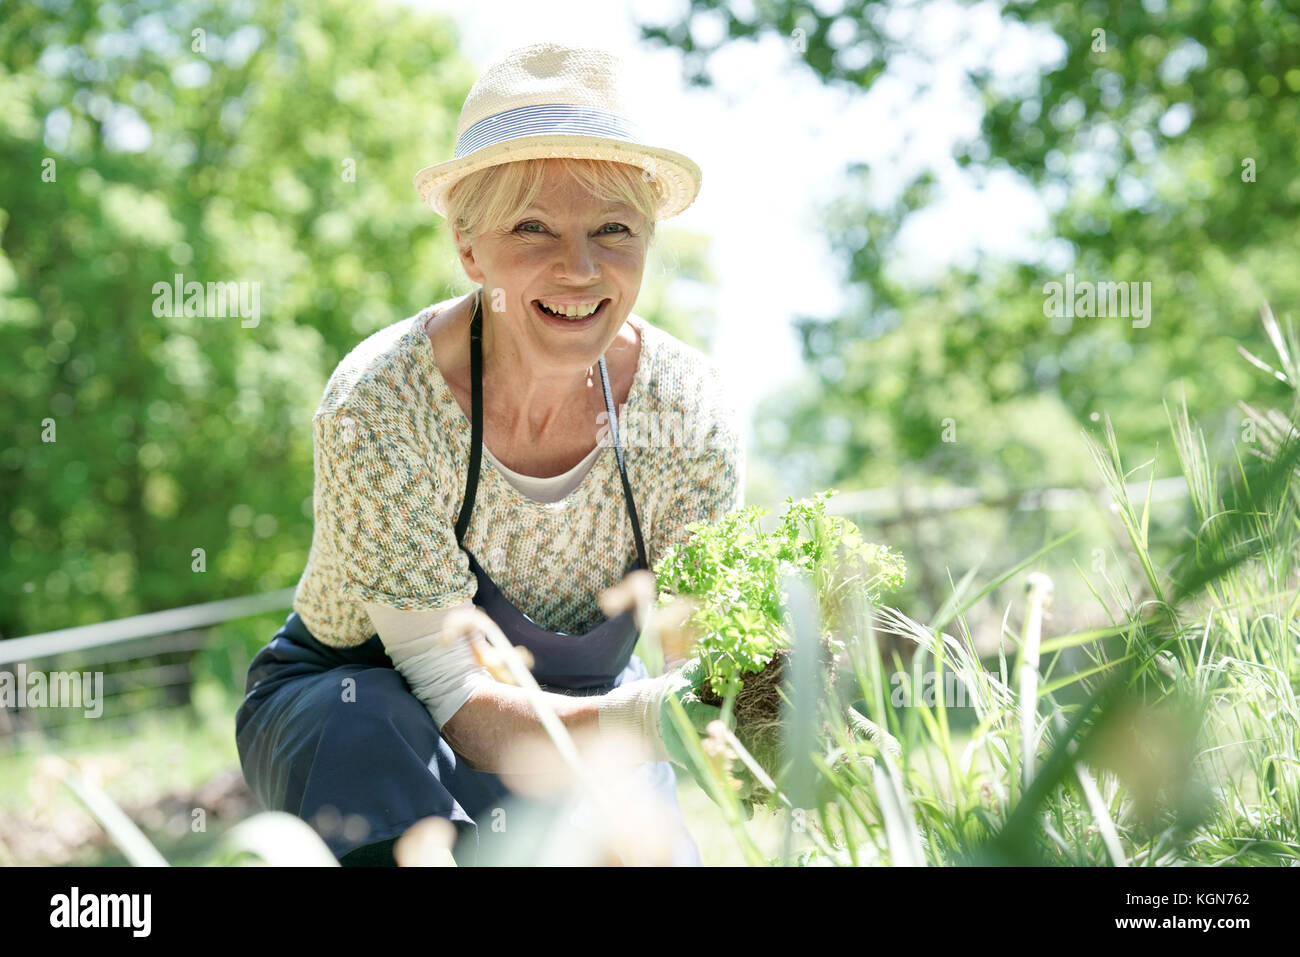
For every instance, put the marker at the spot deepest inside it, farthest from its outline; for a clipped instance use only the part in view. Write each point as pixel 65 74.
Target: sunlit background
pixel 889 189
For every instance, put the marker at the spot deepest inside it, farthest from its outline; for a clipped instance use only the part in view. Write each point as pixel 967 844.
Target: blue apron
pixel 362 771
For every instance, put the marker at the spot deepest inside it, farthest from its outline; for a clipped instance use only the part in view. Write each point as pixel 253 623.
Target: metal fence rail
pixel 145 663
pixel 896 505
pixel 142 626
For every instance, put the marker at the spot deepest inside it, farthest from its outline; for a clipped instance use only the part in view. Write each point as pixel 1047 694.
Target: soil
pixel 759 707
pixel 37 836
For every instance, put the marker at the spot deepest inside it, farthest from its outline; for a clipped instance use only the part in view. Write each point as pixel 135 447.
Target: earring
pixel 588 377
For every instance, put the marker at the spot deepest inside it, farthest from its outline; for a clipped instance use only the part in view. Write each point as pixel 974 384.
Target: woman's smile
pixel 574 321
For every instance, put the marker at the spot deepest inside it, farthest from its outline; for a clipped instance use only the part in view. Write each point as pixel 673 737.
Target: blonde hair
pixel 492 198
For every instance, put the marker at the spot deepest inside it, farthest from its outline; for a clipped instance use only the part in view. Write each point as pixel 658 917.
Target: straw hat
pixel 551 100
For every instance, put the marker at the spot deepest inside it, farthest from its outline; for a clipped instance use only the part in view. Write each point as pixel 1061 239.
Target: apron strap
pixel 642 561
pixel 476 437
pixel 476 417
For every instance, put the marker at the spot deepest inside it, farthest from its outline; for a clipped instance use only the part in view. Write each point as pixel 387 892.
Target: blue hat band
pixel 544 120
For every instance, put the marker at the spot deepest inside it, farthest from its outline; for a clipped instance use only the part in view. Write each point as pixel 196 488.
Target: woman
pixel 362 714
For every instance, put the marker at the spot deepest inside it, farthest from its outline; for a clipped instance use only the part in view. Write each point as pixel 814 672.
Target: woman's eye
pixel 604 230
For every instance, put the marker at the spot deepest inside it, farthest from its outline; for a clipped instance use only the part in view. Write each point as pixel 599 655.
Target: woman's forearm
pixel 486 727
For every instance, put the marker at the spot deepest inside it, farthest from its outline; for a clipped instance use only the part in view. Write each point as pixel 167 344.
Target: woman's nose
pixel 577 259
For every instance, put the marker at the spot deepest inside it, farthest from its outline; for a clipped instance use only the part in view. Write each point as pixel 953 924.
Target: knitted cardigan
pixel 390 460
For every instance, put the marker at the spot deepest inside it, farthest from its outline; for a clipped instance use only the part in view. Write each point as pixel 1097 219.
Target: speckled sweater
pixel 391 455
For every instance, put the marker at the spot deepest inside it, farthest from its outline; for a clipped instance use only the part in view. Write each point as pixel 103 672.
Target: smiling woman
pixel 562 263
pixel 474 436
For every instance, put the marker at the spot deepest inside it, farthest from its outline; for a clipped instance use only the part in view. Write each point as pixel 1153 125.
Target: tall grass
pixel 1174 739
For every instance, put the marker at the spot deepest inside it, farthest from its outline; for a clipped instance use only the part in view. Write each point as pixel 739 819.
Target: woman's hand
pixel 641 708
pixel 682 684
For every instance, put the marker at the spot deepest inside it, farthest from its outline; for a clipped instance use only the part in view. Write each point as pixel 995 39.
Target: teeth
pixel 572 312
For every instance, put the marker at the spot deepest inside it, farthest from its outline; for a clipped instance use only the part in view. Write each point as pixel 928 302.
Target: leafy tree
pixel 1162 139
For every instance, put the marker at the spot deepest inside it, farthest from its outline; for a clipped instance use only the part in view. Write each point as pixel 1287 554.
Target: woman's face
pixel 568 249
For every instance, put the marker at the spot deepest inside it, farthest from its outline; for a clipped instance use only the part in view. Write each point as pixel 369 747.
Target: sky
pixel 773 145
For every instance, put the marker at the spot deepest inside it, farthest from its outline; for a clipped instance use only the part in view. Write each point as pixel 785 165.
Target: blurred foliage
pixel 268 143
pixel 1162 138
